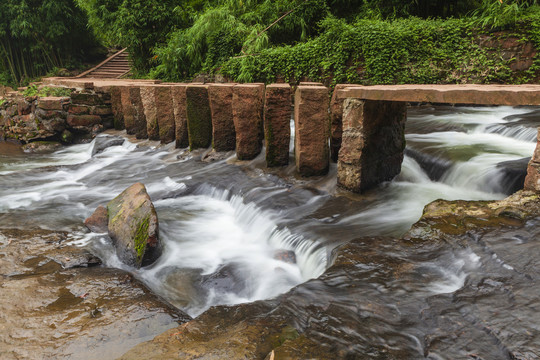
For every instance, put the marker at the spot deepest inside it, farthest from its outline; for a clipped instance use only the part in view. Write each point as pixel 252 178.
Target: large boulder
pixel 133 226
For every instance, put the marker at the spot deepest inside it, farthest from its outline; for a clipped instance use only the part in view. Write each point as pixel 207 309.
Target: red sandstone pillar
pixel 178 93
pixel 373 143
pixel 116 106
pixel 532 181
pixel 148 98
pixel 247 117
pixel 277 127
pixel 311 130
pixel 223 132
pixel 165 114
pixel 336 118
pixel 199 116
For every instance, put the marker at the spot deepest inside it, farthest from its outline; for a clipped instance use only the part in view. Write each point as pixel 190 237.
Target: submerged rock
pixel 39 147
pixel 133 226
pixel 103 142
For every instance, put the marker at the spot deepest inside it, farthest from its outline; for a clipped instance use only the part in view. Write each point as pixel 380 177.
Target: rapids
pixel 222 222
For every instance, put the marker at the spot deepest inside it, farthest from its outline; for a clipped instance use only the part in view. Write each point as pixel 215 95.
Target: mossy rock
pixel 133 227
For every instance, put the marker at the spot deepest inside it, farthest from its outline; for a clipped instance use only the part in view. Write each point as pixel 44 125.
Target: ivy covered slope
pixel 367 42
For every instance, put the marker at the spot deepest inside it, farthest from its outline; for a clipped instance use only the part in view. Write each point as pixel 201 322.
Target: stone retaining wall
pixel 62 119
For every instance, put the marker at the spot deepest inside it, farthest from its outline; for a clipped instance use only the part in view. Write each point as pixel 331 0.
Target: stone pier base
pixel 116 107
pixel 148 98
pixel 277 128
pixel 311 130
pixel 532 181
pixel 199 116
pixel 224 134
pixel 247 117
pixel 178 93
pixel 165 114
pixel 373 143
pixel 134 118
pixel 336 119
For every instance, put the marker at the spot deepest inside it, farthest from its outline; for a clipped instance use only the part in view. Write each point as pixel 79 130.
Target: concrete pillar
pixel 311 130
pixel 178 93
pixel 199 116
pixel 247 117
pixel 165 114
pixel 336 127
pixel 373 143
pixel 277 127
pixel 223 132
pixel 532 181
pixel 116 106
pixel 148 98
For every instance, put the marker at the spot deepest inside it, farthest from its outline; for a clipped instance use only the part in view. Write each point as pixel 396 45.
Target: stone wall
pixel 77 118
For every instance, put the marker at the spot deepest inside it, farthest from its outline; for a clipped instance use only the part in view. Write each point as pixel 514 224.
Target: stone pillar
pixel 178 93
pixel 116 106
pixel 277 127
pixel 311 130
pixel 532 181
pixel 247 117
pixel 128 110
pixel 165 114
pixel 336 127
pixel 148 98
pixel 199 116
pixel 134 118
pixel 223 132
pixel 373 143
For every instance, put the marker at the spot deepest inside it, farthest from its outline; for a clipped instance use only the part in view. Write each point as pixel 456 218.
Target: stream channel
pixel 223 221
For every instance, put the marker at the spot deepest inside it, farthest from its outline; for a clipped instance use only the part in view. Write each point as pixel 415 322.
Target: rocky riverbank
pixel 393 308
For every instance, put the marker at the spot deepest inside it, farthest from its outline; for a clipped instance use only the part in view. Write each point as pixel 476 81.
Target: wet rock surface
pixel 57 302
pixel 452 285
pixel 133 226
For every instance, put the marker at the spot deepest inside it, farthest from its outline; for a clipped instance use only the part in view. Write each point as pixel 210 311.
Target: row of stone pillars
pixel 366 138
pixel 231 117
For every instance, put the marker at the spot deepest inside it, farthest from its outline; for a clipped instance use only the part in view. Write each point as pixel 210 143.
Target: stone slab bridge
pixel 360 127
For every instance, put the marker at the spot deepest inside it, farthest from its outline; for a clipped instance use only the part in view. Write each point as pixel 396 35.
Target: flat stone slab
pixel 450 94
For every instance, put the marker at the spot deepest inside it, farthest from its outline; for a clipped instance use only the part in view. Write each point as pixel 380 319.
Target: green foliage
pixel 38 35
pixel 46 91
pixel 2 101
pixel 497 14
pixel 236 27
pixel 379 52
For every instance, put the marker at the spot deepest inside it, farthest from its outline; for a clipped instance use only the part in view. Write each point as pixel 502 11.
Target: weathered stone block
pixel 52 103
pixel 373 143
pixel 79 109
pixel 24 107
pixel 139 120
pixel 128 110
pixel 83 120
pixel 148 98
pixel 82 98
pixel 224 134
pixel 178 93
pixel 101 110
pixel 165 114
pixel 199 116
pixel 336 119
pixel 116 107
pixel 248 120
pixel 311 130
pixel 277 127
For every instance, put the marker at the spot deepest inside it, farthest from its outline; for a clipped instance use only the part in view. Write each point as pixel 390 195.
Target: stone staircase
pixel 113 67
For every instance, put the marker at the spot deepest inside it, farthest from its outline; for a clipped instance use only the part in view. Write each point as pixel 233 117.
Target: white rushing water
pixel 227 232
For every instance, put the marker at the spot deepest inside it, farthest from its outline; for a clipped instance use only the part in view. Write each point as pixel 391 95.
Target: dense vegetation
pixel 39 36
pixel 362 41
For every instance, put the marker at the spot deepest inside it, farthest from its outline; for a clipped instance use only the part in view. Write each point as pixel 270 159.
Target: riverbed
pixel 223 221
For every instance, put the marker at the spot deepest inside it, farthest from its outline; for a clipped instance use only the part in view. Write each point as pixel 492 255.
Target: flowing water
pixel 223 222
